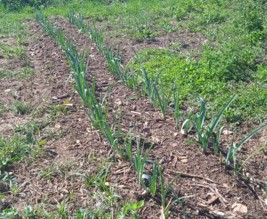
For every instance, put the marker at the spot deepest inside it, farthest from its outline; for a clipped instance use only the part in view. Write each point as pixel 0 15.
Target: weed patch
pixel 14 149
pixel 194 78
pixel 21 108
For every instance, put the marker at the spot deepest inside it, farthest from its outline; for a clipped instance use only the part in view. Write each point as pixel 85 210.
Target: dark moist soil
pixel 209 190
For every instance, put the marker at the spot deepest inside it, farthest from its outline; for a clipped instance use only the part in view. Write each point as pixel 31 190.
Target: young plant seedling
pixel 235 147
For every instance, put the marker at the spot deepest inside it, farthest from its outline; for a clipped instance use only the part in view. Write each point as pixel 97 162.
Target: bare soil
pixel 208 189
pixel 53 176
pixel 177 156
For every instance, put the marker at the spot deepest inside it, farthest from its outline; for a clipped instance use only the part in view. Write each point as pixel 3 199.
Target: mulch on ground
pixel 57 174
pixel 211 191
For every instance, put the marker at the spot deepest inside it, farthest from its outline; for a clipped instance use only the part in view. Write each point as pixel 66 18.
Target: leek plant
pixel 96 113
pixel 162 100
pixel 155 95
pixel 204 135
pixel 76 20
pixel 148 86
pixel 128 148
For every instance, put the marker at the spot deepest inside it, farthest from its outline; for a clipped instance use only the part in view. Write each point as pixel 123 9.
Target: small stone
pixel 118 102
pixel 183 132
pixel 227 132
pixel 7 90
pixel 57 126
pixel 184 160
pixel 239 208
pixel 155 139
pixel 175 145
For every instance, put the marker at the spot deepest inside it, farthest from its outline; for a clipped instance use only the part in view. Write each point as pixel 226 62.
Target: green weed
pixel 57 110
pixel 14 149
pixel 194 78
pixel 21 108
pixel 9 214
pixel 22 73
pixel 3 108
pixel 99 179
pixel 10 52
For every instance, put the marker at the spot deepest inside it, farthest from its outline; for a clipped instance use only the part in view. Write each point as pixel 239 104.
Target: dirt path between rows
pixel 72 148
pixel 212 191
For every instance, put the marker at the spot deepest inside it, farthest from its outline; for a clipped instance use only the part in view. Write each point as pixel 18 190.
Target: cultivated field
pixel 133 109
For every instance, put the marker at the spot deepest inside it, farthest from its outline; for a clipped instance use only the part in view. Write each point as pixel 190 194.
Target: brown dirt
pixel 209 190
pixel 183 42
pixel 57 173
pixel 202 176
pixel 11 61
pixel 10 87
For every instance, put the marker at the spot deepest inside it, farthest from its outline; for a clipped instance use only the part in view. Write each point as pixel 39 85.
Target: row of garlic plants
pixel 97 111
pixel 208 136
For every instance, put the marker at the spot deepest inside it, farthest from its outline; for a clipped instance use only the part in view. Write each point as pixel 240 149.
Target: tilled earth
pixel 208 189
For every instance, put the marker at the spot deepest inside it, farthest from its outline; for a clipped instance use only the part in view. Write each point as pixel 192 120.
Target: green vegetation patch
pixel 197 79
pixel 15 148
pixel 21 108
pixel 22 73
pixel 14 5
pixel 21 144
